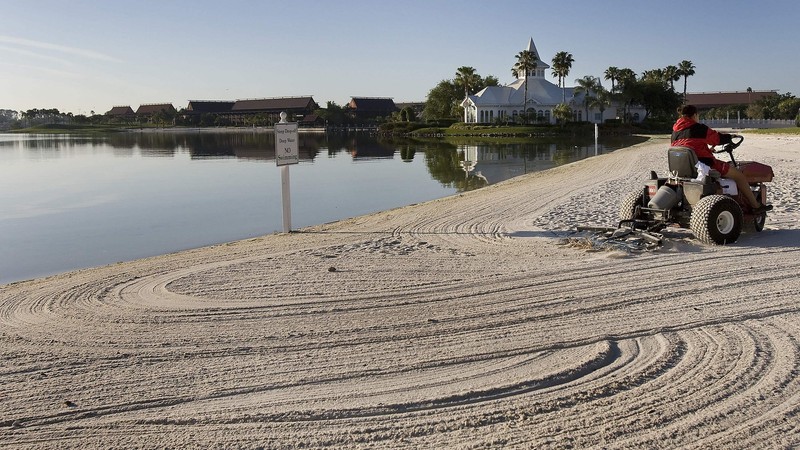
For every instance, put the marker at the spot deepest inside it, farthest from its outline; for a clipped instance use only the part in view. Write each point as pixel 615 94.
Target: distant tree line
pixel 10 119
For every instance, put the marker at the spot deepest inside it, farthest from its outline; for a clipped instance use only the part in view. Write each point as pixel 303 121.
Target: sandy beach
pixel 458 323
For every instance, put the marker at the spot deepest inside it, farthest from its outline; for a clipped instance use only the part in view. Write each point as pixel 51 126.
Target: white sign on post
pixel 286 151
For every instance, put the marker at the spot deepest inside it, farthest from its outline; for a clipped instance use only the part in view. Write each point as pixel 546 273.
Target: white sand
pixel 457 323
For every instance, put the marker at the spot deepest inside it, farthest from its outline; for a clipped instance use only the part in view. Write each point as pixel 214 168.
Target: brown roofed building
pixel 371 107
pixel 295 107
pixel 150 109
pixel 271 105
pixel 708 100
pixel 208 107
pixel 122 112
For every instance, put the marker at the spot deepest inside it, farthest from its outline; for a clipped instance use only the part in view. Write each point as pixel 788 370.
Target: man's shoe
pixel 762 209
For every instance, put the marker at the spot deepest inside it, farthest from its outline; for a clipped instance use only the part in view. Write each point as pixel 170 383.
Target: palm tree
pixel 562 63
pixel 601 100
pixel 466 76
pixel 672 74
pixel 685 69
pixel 587 85
pixel 612 73
pixel 562 113
pixel 526 63
pixel 656 76
pixel 626 85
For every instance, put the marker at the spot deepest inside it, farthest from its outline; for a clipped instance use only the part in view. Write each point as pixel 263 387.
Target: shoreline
pixel 459 320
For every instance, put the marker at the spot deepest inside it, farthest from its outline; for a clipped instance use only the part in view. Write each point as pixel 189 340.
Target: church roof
pixel 540 91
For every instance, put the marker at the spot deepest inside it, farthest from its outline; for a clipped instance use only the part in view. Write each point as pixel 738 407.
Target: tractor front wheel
pixel 629 209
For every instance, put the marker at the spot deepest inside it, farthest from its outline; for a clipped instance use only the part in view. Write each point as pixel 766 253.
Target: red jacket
pixel 688 133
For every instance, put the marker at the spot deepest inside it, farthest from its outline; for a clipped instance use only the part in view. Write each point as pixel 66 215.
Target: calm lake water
pixel 69 202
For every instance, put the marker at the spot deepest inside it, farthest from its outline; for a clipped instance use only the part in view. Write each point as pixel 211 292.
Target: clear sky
pixel 83 55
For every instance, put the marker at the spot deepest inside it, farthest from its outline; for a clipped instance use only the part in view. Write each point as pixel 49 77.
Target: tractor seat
pixel 683 161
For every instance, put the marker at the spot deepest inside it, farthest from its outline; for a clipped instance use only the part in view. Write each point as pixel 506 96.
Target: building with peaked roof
pixel 257 110
pixel 296 108
pixel 291 105
pixel 122 112
pixel 507 103
pixel 153 108
pixel 371 107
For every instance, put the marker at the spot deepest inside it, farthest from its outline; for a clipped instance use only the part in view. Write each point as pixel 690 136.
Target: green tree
pixel 601 101
pixel 628 90
pixel 407 114
pixel 562 64
pixel 562 113
pixel 612 74
pixel 8 117
pixel 467 78
pixel 783 106
pixel 442 101
pixel 657 97
pixel 686 70
pixel 755 111
pixel 653 75
pixel 332 114
pixel 490 80
pixel 586 86
pixel 789 107
pixel 526 63
pixel 672 74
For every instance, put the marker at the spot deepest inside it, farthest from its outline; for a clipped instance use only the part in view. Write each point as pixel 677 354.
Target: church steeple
pixel 541 66
pixel 532 48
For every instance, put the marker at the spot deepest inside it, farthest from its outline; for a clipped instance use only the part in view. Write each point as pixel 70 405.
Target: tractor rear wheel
pixel 716 219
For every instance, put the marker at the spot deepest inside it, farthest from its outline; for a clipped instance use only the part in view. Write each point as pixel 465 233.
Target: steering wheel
pixel 736 141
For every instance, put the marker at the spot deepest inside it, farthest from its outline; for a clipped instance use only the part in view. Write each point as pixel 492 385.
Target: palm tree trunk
pixel 685 78
pixel 525 101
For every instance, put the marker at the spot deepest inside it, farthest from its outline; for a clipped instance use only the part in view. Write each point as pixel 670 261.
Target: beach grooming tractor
pixel 696 197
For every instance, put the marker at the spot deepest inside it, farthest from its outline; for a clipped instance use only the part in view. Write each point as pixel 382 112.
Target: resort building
pixel 371 107
pixel 121 112
pixel 507 103
pixel 707 100
pixel 300 109
pixel 295 107
pixel 149 110
pixel 199 107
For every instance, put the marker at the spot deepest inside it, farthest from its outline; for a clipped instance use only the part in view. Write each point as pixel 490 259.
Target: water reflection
pixel 462 163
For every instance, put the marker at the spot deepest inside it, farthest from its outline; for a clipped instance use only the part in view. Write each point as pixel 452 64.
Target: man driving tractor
pixel 688 132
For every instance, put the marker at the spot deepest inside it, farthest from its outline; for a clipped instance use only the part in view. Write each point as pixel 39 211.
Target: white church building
pixel 505 103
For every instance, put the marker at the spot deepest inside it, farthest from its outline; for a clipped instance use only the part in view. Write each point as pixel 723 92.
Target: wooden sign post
pixel 286 154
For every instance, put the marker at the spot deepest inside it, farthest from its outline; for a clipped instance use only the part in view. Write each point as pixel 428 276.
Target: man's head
pixel 688 111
